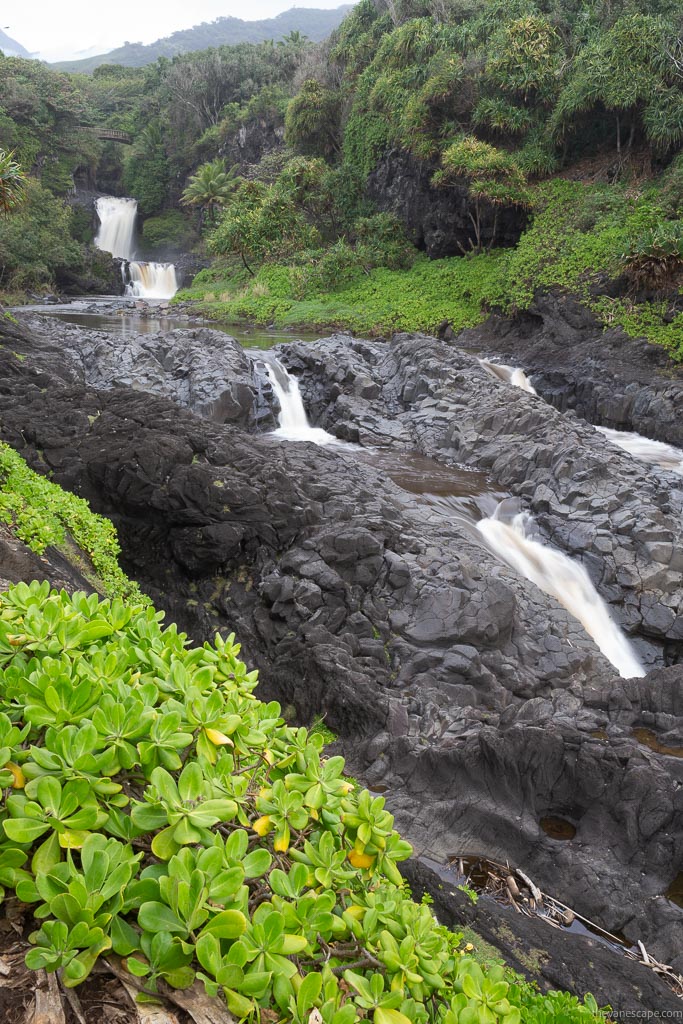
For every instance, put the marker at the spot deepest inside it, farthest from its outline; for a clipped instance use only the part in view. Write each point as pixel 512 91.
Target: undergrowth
pixel 153 809
pixel 377 302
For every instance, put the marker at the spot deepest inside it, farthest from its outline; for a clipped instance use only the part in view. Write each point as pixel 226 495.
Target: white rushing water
pixel 117 226
pixel 117 236
pixel 152 280
pixel 655 453
pixel 558 575
pixel 510 374
pixel 293 421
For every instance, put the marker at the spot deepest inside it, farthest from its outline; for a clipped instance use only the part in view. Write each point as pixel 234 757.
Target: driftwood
pixel 47 1002
pixel 202 1008
pixel 501 884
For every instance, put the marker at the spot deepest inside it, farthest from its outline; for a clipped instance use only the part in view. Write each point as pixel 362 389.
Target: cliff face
pixel 437 220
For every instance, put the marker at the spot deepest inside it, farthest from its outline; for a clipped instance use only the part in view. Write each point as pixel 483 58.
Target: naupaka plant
pixel 155 810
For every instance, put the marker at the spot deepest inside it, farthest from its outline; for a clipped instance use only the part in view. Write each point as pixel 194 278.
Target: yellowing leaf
pixel 262 825
pixel 361 860
pixel 382 1016
pixel 219 739
pixel 18 775
pixel 72 839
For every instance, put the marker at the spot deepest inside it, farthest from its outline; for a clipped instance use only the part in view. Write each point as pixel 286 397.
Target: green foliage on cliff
pixel 36 241
pixel 153 808
pixel 43 515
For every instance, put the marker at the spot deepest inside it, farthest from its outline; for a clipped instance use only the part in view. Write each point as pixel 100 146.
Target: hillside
pixel 312 22
pixel 11 48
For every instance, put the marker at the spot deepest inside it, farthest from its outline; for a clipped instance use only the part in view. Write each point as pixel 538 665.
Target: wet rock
pixel 606 377
pixel 204 370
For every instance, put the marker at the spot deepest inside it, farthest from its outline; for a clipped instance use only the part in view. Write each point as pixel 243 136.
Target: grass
pixel 379 302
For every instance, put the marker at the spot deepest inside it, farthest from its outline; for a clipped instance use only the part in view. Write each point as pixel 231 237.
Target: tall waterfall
pixel 511 374
pixel 293 421
pixel 655 453
pixel 117 226
pixel 567 581
pixel 117 236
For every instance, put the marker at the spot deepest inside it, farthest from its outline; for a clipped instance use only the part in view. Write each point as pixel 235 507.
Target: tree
pixel 12 182
pixel 493 176
pixel 262 223
pixel 210 188
pixel 627 71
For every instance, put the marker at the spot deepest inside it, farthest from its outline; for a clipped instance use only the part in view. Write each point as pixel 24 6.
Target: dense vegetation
pixel 43 515
pixel 496 96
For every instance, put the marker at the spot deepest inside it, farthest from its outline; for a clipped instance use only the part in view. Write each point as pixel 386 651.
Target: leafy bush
pixel 153 807
pixel 42 515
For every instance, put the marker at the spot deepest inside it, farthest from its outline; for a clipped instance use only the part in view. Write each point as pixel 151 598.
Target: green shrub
pixel 153 807
pixel 36 241
pixel 42 515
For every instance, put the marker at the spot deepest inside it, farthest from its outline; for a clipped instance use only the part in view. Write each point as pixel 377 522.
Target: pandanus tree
pixel 494 180
pixel 210 188
pixel 12 182
pixel 629 72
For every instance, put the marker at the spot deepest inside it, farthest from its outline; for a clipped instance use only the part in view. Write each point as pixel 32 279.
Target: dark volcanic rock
pixel 590 498
pixel 477 700
pixel 202 369
pixel 436 219
pixel 605 377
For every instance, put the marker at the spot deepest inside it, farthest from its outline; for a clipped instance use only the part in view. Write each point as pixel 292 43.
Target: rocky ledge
pixel 603 376
pixel 472 698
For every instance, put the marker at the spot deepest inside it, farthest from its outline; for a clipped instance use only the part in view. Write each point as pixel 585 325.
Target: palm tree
pixel 12 182
pixel 210 188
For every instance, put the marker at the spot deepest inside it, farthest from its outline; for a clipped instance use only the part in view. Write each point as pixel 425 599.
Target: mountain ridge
pixel 315 23
pixel 11 48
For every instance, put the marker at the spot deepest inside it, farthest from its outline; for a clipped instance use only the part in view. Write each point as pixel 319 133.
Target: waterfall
pixel 558 575
pixel 510 374
pixel 293 421
pixel 117 236
pixel 655 453
pixel 152 280
pixel 117 226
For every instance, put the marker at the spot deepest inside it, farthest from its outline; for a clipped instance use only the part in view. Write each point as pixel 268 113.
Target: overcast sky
pixel 68 29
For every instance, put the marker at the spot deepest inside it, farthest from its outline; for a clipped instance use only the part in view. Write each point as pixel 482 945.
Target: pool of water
pixel 125 321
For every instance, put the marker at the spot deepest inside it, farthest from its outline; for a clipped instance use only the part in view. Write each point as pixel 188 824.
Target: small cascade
pixel 152 280
pixel 567 581
pixel 510 374
pixel 293 421
pixel 655 453
pixel 117 226
pixel 117 236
